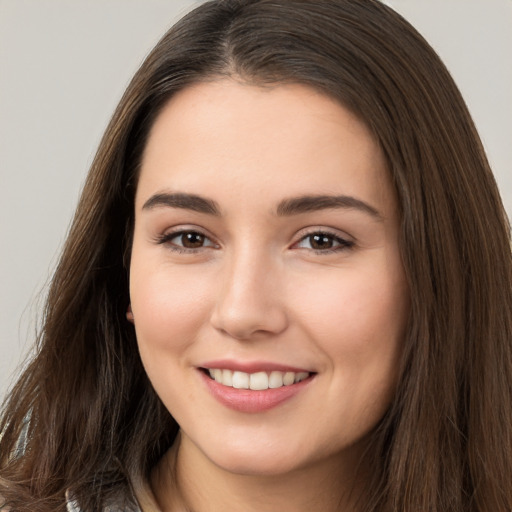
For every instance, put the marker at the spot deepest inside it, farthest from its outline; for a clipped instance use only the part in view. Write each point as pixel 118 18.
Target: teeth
pixel 301 376
pixel 256 381
pixel 288 378
pixel 275 380
pixel 227 377
pixel 240 380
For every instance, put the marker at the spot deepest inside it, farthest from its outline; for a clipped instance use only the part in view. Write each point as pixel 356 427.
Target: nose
pixel 250 302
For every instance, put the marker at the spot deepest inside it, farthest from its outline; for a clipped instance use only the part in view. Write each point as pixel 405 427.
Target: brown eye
pixel 321 241
pixel 324 242
pixel 191 240
pixel 183 241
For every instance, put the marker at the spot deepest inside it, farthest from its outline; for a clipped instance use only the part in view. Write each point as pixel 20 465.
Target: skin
pixel 259 289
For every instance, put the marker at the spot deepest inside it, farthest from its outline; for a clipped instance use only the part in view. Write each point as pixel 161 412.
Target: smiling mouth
pixel 258 381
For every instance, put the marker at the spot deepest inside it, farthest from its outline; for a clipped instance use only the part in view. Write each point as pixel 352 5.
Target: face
pixel 265 256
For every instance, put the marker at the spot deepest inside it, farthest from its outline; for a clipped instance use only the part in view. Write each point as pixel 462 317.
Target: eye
pixel 186 240
pixel 323 242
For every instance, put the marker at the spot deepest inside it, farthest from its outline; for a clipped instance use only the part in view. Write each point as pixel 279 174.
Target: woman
pixel 286 287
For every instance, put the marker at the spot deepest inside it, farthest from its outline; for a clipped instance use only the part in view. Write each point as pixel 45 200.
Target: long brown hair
pixel 84 416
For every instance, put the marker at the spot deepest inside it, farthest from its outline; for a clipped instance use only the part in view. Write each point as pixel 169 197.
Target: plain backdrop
pixel 64 65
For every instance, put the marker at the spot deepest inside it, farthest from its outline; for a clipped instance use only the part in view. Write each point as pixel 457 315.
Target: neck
pixel 186 479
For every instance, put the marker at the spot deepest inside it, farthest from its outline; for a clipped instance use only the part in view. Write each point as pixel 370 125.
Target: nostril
pixel 245 324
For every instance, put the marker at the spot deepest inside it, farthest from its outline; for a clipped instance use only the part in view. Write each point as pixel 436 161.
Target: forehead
pixel 264 140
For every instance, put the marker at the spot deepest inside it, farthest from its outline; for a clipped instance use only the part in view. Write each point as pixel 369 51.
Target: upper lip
pixel 251 366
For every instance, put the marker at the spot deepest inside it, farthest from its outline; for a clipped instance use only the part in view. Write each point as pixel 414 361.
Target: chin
pixel 255 459
pixel 262 466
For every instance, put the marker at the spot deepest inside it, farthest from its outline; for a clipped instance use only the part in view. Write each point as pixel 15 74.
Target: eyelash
pixel 166 240
pixel 343 244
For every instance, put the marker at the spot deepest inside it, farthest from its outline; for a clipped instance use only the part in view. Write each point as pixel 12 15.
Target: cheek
pixel 359 325
pixel 358 318
pixel 168 307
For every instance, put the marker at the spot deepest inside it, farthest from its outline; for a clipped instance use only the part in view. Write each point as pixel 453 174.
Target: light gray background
pixel 64 65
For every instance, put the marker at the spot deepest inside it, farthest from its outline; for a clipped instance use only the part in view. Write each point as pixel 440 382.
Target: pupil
pixel 192 240
pixel 321 242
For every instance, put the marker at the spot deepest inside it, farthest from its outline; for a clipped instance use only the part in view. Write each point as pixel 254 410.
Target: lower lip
pixel 246 400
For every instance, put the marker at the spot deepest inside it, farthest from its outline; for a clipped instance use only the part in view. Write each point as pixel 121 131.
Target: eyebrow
pixel 180 200
pixel 287 207
pixel 304 204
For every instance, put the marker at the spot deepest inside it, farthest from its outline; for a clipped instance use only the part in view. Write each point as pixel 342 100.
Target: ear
pixel 129 314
